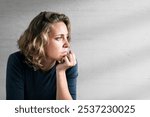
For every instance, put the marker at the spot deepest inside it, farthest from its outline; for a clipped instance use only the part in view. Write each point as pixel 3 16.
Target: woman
pixel 45 68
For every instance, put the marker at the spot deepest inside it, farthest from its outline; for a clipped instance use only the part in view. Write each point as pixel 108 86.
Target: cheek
pixel 53 50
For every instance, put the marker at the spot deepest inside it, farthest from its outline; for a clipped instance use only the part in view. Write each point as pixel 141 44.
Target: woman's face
pixel 58 42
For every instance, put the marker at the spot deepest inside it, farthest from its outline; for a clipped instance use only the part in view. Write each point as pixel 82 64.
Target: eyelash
pixel 58 38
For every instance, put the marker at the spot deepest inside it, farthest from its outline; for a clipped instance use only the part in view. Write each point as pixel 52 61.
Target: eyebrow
pixel 61 34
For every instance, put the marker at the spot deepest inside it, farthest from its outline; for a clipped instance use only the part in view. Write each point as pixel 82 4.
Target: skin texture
pixel 58 50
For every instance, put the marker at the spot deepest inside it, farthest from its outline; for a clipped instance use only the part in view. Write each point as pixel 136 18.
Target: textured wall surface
pixel 111 39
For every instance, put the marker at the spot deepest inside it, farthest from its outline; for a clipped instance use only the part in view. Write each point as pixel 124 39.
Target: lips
pixel 66 51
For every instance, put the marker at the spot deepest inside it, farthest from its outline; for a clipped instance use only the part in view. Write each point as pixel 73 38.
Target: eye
pixel 58 38
pixel 68 38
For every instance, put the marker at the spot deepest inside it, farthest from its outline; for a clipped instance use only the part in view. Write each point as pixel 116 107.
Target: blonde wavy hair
pixel 34 39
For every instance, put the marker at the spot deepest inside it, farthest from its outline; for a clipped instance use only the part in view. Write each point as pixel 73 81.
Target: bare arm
pixel 62 86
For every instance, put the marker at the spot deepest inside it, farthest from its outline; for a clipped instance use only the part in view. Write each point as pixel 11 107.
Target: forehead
pixel 59 28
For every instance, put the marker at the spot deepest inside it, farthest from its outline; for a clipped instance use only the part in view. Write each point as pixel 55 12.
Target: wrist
pixel 60 70
pixel 60 73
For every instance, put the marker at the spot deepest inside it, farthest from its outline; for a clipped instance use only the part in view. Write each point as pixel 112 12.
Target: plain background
pixel 111 39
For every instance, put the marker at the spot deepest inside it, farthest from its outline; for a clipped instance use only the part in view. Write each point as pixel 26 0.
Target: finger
pixel 72 58
pixel 59 61
pixel 67 61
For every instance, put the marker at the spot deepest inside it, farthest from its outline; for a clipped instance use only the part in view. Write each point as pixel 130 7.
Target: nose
pixel 66 43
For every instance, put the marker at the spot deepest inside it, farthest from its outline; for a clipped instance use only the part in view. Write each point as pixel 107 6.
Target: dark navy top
pixel 23 83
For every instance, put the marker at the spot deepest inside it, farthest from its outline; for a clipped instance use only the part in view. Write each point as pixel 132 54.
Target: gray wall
pixel 111 39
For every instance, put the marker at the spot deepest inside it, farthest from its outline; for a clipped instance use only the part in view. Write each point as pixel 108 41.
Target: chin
pixel 58 59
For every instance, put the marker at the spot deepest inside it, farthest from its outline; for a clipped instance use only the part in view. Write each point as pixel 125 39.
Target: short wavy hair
pixel 34 39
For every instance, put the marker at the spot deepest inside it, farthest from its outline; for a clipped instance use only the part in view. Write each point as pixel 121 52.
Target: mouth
pixel 64 53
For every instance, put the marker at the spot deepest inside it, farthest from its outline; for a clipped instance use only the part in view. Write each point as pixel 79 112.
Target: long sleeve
pixel 14 79
pixel 72 74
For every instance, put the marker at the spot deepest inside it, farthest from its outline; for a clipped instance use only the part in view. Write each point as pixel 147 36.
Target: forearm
pixel 62 86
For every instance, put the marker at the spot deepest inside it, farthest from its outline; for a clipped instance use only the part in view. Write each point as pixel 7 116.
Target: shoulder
pixel 15 59
pixel 73 71
pixel 16 55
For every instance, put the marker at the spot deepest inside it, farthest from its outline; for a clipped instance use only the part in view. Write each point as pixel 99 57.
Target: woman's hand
pixel 66 62
pixel 62 86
